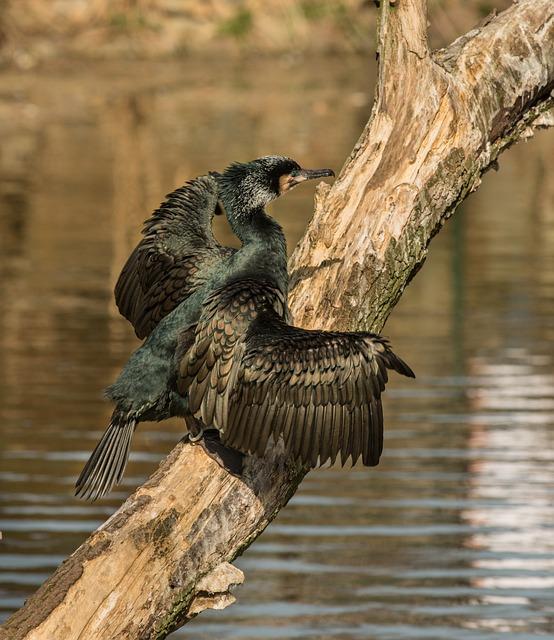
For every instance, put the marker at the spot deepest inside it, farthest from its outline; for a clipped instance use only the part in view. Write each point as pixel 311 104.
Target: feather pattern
pixel 319 391
pixel 175 257
pixel 241 367
pixel 107 463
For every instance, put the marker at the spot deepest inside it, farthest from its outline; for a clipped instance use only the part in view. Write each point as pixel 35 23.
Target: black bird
pixel 252 375
pixel 161 291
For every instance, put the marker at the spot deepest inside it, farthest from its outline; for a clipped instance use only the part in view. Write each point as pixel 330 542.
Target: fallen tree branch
pixel 438 123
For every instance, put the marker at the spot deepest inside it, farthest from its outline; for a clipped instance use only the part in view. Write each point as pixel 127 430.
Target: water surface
pixel 452 536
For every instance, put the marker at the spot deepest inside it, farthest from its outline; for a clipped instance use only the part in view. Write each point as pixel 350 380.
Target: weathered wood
pixel 438 122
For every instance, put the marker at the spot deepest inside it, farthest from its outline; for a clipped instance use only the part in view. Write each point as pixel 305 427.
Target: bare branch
pixel 438 123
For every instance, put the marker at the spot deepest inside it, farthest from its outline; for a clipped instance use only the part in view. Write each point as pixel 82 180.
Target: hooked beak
pixel 292 179
pixel 312 174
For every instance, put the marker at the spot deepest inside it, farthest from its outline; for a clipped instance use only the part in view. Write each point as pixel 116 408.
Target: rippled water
pixel 452 536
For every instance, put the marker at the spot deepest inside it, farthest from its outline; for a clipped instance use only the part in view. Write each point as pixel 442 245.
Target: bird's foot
pixel 195 428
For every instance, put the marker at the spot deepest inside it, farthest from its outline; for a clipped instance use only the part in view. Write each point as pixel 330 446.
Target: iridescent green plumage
pixel 220 351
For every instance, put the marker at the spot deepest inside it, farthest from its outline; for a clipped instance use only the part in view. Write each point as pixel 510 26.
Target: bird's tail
pixel 107 463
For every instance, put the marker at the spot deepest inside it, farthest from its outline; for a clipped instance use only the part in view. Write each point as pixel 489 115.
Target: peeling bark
pixel 440 120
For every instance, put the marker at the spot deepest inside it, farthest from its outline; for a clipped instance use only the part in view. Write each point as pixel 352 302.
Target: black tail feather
pixel 106 465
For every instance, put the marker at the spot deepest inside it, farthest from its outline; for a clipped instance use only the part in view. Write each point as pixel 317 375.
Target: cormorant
pixel 161 290
pixel 255 377
pixel 239 366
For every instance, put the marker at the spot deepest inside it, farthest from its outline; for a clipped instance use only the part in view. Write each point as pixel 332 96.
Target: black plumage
pixel 169 267
pixel 175 257
pixel 255 377
pixel 106 465
pixel 220 351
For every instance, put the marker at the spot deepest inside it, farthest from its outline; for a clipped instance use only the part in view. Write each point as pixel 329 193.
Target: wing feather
pixel 328 386
pixel 174 258
pixel 254 377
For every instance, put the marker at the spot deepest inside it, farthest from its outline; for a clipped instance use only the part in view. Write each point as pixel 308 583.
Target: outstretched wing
pixel 254 377
pixel 209 368
pixel 173 259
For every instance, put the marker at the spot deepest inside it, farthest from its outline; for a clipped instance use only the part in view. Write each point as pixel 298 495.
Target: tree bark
pixel 439 121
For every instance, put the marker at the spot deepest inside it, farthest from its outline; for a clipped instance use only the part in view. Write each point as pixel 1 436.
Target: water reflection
pixel 451 536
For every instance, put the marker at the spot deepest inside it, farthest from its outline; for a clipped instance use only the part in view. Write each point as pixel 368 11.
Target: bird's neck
pixel 256 227
pixel 264 245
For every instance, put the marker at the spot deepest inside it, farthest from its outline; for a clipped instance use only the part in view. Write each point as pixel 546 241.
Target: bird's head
pixel 254 184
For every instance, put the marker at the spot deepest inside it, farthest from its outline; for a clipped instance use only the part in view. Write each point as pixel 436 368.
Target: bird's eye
pixel 294 172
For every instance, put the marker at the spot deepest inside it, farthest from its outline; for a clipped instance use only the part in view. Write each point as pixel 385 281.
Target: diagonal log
pixel 439 121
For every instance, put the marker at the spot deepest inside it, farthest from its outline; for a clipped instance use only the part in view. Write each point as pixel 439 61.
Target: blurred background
pixel 107 106
pixel 36 30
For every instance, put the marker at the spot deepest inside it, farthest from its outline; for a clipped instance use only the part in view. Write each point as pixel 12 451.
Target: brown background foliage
pixel 34 30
